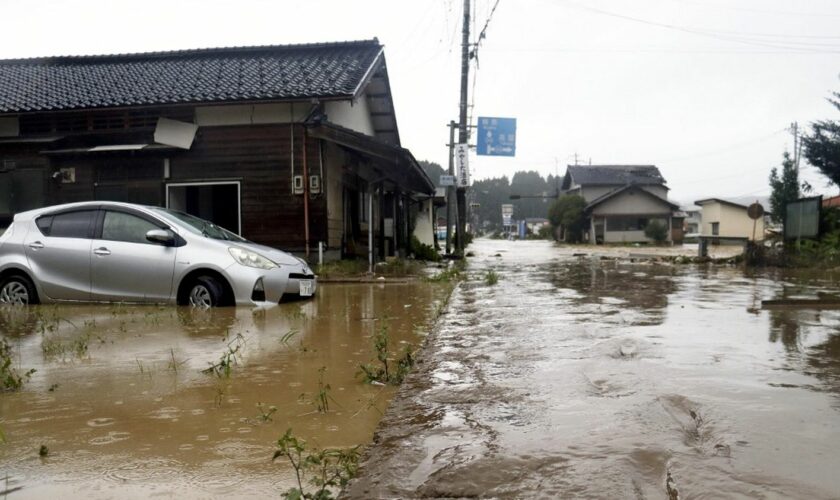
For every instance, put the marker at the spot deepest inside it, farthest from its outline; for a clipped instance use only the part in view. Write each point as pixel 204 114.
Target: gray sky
pixel 704 89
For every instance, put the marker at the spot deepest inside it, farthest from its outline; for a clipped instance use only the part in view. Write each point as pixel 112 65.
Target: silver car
pixel 121 252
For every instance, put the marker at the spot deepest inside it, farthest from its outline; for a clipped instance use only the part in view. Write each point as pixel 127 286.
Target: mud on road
pixel 589 378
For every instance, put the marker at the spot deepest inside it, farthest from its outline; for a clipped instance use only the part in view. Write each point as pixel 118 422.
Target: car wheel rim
pixel 200 296
pixel 14 293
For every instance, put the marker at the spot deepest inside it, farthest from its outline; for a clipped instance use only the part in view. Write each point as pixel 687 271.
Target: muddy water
pixel 588 378
pixel 120 401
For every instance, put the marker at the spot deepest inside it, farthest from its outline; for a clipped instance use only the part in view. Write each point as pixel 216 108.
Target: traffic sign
pixel 496 136
pixel 447 180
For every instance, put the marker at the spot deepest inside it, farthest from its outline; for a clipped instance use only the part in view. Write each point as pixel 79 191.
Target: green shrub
pixel 422 251
pixel 657 231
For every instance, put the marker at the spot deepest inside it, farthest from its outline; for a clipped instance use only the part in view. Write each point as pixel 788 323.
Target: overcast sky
pixel 704 89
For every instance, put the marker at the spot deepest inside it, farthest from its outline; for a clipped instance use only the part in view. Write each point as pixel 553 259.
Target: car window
pixel 120 226
pixel 71 224
pixel 44 224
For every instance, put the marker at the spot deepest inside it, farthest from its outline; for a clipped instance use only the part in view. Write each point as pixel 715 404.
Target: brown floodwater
pixel 121 404
pixel 583 377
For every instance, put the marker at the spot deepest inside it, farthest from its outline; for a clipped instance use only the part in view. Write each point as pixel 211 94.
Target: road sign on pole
pixel 447 180
pixel 496 136
pixel 462 166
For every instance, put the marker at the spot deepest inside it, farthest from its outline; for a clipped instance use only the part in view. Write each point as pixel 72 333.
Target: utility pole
pixel 450 190
pixel 797 145
pixel 463 135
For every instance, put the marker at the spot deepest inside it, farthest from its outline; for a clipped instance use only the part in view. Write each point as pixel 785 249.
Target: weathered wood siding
pixel 259 156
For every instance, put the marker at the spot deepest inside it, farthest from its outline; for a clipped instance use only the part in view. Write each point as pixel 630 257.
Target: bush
pixel 422 251
pixel 657 231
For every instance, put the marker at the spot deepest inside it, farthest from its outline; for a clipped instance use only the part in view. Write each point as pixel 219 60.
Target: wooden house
pixel 289 145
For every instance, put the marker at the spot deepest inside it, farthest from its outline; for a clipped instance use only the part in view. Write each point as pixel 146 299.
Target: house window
pixel 715 228
pixel 627 223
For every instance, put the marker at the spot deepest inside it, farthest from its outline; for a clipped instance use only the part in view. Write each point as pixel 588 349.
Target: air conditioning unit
pixel 297 184
pixel 314 184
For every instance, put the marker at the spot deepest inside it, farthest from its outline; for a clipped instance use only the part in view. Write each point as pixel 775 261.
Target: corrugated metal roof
pixel 265 73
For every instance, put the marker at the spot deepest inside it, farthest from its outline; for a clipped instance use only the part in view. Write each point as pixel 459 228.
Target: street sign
pixel 496 136
pixel 447 180
pixel 507 214
pixel 462 167
pixel 755 211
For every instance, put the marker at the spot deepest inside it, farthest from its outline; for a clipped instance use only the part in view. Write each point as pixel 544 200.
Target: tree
pixel 657 231
pixel 822 146
pixel 566 213
pixel 785 188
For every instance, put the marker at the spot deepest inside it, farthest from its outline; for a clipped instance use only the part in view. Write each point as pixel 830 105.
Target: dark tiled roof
pixel 614 174
pixel 279 72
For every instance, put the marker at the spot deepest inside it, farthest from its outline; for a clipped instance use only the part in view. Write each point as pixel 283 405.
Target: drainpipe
pixel 305 196
pixel 292 143
pixel 370 229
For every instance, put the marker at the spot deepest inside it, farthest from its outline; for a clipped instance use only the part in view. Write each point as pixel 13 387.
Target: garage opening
pixel 218 202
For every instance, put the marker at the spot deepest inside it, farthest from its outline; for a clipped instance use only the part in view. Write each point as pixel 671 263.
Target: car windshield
pixel 200 226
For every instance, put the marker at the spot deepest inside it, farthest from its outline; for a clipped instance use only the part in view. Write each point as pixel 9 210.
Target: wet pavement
pixel 578 377
pixel 120 402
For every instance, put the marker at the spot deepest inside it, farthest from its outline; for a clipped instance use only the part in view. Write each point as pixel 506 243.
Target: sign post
pixel 496 136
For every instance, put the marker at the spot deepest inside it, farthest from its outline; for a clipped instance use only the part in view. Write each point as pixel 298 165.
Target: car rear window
pixel 67 225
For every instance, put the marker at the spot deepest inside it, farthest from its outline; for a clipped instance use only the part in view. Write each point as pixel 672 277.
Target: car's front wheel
pixel 205 292
pixel 17 289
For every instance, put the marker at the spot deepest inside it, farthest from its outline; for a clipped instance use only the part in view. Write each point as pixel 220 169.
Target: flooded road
pixel 122 409
pixel 589 378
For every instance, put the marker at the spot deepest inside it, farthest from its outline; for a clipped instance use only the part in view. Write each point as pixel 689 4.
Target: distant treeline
pixel 492 193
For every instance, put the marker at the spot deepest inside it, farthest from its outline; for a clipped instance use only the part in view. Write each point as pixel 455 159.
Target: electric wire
pixel 743 39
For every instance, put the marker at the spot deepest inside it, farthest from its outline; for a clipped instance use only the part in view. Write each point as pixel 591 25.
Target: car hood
pixel 272 254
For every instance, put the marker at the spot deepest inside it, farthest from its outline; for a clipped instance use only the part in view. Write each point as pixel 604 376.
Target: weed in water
pixel 174 364
pixel 329 469
pixel 491 278
pixel 43 451
pixel 2 436
pixel 10 378
pixel 382 373
pixel 224 367
pixel 288 336
pixel 53 387
pixel 266 413
pixel 322 400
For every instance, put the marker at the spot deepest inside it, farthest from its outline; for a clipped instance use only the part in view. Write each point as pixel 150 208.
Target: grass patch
pixel 11 379
pixel 359 268
pixel 491 278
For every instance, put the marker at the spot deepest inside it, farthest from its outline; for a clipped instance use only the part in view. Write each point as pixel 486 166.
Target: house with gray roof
pixel 622 200
pixel 287 145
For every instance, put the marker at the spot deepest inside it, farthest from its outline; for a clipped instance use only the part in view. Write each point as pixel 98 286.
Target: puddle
pixel 120 400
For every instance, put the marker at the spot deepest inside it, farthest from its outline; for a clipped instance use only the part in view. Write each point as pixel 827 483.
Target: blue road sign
pixel 496 136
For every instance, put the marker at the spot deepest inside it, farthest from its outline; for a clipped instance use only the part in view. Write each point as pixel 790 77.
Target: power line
pixel 725 149
pixel 701 32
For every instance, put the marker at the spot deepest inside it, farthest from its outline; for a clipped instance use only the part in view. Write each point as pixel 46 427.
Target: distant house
pixel 728 217
pixel 831 202
pixel 622 200
pixel 693 218
pixel 287 145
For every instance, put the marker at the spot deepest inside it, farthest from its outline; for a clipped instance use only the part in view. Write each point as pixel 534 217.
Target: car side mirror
pixel 163 236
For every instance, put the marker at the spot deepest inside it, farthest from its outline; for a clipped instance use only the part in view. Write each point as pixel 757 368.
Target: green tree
pixel 822 145
pixel 566 214
pixel 785 186
pixel 657 231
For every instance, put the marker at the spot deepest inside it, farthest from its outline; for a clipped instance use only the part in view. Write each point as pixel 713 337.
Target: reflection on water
pixel 120 401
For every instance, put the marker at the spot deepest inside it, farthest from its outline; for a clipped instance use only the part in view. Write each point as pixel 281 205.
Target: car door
pixel 59 253
pixel 125 266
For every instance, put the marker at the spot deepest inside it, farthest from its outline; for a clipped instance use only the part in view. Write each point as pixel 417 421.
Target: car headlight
pixel 250 259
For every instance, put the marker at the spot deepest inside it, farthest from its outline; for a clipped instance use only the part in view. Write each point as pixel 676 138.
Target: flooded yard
pixel 120 405
pixel 588 377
